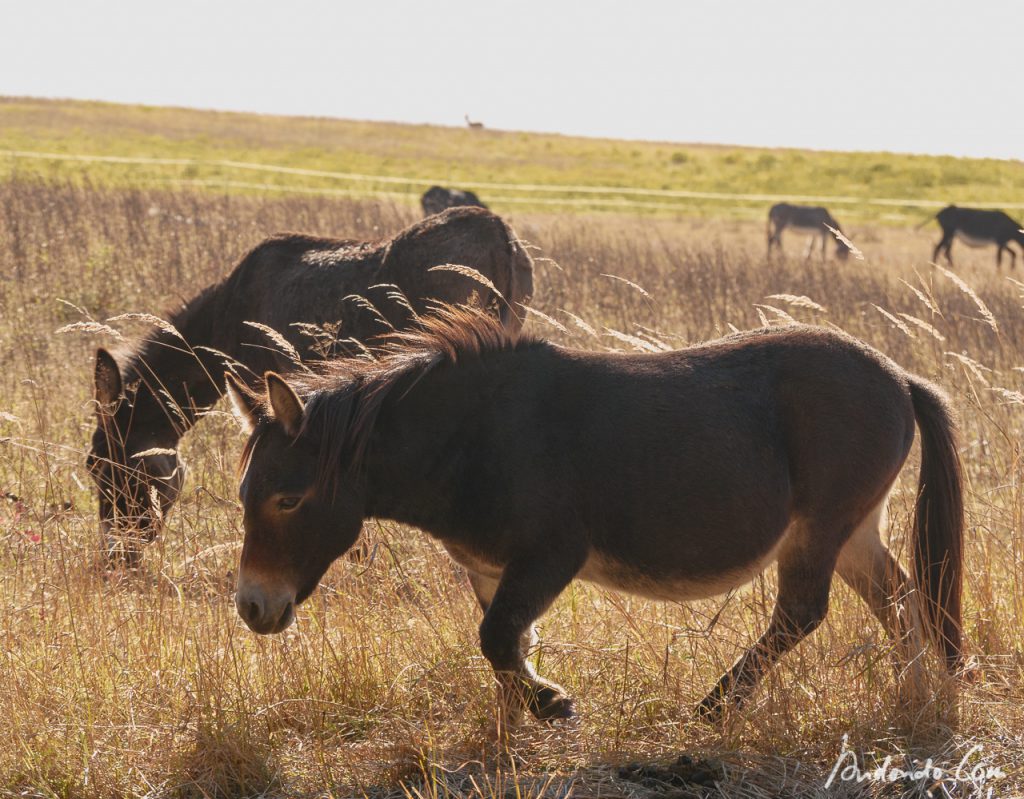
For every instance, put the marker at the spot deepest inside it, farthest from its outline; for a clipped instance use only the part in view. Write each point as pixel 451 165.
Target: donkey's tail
pixel 939 519
pixel 519 290
pixel 920 225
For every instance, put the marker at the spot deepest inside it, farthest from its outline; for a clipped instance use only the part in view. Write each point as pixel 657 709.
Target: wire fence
pixel 594 196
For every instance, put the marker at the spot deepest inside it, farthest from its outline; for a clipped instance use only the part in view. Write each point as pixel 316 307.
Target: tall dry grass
pixel 146 683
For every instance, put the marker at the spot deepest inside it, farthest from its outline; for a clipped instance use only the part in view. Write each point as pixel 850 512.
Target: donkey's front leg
pixel 545 699
pixel 512 604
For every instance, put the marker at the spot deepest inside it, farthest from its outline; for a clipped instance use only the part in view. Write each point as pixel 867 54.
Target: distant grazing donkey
pixel 978 228
pixel 437 198
pixel 291 283
pixel 810 219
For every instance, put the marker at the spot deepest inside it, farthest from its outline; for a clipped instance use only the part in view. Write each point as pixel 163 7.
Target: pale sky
pixel 910 76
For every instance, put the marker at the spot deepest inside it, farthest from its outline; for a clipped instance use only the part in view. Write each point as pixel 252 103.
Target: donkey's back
pixel 805 217
pixel 809 422
pixel 364 289
pixel 982 225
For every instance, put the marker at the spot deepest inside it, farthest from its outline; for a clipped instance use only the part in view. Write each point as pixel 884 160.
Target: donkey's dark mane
pixel 165 363
pixel 196 317
pixel 344 396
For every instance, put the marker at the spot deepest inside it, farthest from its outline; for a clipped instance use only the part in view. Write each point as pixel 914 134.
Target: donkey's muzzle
pixel 264 613
pixel 123 543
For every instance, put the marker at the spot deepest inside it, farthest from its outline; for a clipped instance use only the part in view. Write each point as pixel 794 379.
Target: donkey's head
pixel 136 468
pixel 295 524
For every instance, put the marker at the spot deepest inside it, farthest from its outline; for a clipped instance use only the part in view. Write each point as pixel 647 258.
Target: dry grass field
pixel 147 683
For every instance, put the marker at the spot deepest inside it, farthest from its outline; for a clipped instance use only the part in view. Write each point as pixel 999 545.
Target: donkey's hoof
pixel 548 704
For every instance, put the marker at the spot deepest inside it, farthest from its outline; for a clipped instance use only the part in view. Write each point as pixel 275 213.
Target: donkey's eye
pixel 288 503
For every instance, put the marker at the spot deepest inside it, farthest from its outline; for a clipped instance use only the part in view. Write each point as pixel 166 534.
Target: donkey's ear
pixel 288 408
pixel 242 403
pixel 107 378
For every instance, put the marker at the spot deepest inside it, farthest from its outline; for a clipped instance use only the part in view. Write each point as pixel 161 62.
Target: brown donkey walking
pixel 676 476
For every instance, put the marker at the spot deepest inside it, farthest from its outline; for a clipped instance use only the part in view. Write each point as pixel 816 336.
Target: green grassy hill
pixel 517 170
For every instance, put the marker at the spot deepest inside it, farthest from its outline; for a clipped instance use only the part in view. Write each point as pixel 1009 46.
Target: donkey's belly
pixel 973 241
pixel 679 585
pixel 808 230
pixel 473 561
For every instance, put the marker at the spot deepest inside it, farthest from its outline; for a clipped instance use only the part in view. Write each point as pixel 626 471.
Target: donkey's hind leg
pixel 806 563
pixel 871 570
pixel 521 686
pixel 945 243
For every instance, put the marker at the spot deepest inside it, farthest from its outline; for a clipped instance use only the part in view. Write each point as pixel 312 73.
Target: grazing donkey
pixel 978 228
pixel 675 475
pixel 437 198
pixel 146 404
pixel 810 219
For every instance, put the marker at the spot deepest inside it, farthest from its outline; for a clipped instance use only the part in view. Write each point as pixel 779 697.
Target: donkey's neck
pixel 433 457
pixel 177 376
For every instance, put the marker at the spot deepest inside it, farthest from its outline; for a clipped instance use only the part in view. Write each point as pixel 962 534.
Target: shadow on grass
pixel 223 763
pixel 508 775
